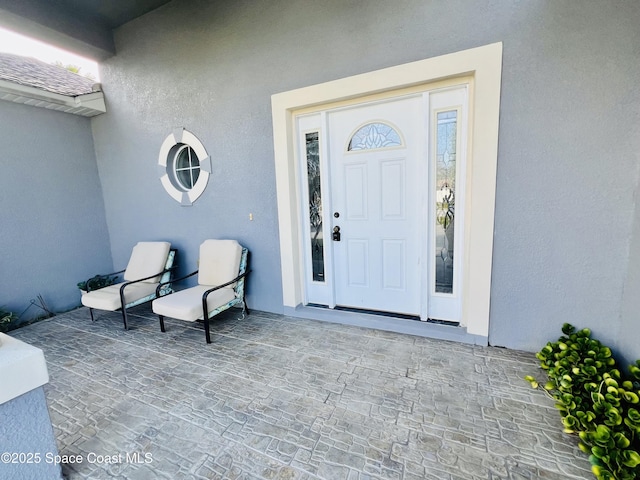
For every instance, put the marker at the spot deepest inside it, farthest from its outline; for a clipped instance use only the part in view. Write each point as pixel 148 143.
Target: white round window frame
pixel 181 136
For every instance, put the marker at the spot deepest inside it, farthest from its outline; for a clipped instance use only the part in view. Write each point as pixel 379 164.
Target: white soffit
pixel 88 105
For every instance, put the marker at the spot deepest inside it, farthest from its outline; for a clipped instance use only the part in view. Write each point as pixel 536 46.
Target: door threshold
pixel 382 313
pixel 377 312
pixel 383 321
pixel 443 322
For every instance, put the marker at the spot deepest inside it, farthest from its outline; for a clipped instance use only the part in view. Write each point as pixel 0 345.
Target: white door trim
pixel 484 65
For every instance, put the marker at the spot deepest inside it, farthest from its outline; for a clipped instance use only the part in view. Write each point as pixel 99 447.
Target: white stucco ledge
pixel 22 368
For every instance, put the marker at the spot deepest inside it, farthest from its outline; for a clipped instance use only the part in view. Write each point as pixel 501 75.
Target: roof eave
pixel 87 105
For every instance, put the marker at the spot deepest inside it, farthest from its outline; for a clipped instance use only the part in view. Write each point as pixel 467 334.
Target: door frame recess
pixel 479 67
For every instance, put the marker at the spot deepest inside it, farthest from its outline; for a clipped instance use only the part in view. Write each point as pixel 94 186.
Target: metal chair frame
pixel 170 265
pixel 239 290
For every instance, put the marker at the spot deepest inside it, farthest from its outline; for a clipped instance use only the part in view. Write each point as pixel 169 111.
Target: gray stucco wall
pixel 567 173
pixel 26 430
pixel 629 337
pixel 52 230
pixel 568 147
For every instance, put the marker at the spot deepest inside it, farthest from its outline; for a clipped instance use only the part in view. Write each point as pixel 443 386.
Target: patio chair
pixel 150 264
pixel 221 278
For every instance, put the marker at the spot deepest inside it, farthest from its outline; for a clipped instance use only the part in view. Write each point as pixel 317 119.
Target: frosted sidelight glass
pixel 315 206
pixel 446 138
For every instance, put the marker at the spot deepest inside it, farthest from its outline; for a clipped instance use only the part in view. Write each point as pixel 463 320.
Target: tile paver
pixel 282 398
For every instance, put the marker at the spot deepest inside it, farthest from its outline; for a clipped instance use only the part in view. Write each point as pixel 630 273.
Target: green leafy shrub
pixel 99 281
pixel 595 401
pixel 6 318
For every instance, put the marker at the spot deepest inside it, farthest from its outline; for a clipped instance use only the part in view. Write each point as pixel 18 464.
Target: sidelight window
pixel 315 206
pixel 446 147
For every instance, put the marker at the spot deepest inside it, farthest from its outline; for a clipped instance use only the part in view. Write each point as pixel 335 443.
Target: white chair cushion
pixel 219 262
pixel 108 298
pixel 187 304
pixel 146 259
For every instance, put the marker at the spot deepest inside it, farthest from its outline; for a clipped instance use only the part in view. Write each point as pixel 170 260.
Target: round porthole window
pixel 184 166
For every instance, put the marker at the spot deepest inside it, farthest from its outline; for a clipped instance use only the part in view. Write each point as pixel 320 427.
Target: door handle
pixel 336 234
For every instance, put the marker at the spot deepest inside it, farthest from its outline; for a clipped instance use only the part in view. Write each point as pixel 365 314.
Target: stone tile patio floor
pixel 275 397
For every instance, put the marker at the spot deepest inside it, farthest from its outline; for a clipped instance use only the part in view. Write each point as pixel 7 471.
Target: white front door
pixel 383 189
pixel 377 161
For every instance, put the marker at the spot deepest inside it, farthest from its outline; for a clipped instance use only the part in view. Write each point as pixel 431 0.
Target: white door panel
pixel 393 201
pixel 356 192
pixel 374 191
pixel 358 262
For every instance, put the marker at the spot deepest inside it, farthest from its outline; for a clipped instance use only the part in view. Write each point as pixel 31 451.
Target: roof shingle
pixel 35 73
